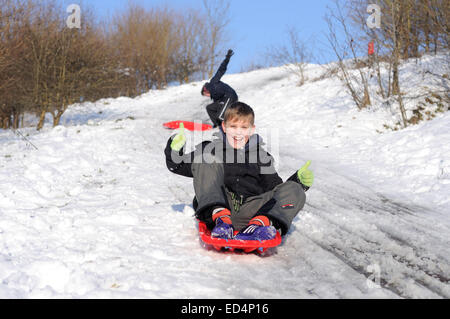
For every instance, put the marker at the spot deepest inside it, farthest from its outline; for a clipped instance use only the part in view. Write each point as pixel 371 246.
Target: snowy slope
pixel 94 213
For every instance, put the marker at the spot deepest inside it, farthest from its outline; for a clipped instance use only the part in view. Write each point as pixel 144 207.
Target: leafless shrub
pixel 294 56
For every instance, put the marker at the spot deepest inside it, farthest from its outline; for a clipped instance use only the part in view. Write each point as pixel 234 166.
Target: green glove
pixel 305 176
pixel 179 140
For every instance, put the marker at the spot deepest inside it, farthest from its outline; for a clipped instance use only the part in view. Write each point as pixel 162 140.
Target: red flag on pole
pixel 371 49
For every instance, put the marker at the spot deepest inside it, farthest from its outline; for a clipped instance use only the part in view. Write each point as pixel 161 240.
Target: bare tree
pixel 358 87
pixel 54 66
pixel 79 72
pixel 147 43
pixel 294 56
pixel 396 21
pixel 46 66
pixel 217 19
pixel 407 29
pixel 189 57
pixel 424 24
pixel 12 47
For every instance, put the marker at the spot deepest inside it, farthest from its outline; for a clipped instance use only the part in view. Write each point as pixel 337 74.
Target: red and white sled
pixel 246 246
pixel 188 125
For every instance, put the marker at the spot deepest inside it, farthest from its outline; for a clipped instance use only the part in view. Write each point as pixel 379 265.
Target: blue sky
pixel 255 25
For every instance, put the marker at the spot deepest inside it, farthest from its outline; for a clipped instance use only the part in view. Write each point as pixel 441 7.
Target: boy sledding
pixel 238 193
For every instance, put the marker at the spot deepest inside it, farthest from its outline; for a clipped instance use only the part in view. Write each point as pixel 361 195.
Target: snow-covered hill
pixel 94 213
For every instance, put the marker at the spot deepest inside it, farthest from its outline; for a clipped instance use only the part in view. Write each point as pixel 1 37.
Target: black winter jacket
pixel 221 92
pixel 248 172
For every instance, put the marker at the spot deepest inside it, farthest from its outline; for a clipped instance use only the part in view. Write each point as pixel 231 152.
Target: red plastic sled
pixel 191 126
pixel 246 246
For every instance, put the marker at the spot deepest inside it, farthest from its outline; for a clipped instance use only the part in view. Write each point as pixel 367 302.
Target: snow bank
pixel 94 213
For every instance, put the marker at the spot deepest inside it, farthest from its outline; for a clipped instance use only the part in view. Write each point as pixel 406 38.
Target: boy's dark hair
pixel 238 110
pixel 204 88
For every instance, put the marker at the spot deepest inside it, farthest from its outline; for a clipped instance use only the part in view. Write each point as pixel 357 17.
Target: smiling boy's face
pixel 238 131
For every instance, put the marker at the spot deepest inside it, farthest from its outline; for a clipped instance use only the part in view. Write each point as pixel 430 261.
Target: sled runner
pixel 191 126
pixel 246 246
